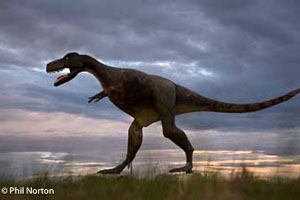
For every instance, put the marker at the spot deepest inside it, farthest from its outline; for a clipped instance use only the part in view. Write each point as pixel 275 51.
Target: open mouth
pixel 65 77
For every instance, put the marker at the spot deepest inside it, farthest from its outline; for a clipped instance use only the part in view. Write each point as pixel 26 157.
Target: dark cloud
pixel 239 52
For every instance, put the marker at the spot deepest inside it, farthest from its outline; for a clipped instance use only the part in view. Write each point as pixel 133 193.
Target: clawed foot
pixel 109 171
pixel 187 169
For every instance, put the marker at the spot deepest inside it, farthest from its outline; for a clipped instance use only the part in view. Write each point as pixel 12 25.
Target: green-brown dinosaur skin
pixel 149 98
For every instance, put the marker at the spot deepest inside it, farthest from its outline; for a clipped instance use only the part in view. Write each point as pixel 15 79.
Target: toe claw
pixel 187 169
pixel 109 171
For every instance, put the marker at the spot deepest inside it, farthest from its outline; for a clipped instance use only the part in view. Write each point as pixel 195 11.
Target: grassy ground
pixel 194 186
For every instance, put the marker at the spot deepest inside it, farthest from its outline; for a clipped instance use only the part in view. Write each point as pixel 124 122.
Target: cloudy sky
pixel 234 51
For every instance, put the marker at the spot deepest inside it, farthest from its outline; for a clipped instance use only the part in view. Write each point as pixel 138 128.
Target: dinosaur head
pixel 72 61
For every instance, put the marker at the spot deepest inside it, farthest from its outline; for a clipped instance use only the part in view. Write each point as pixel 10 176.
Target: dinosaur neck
pixel 98 69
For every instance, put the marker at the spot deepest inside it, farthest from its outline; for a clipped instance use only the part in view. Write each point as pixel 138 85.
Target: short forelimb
pixel 97 97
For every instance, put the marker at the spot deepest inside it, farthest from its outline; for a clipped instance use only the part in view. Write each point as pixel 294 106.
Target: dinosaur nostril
pixel 48 66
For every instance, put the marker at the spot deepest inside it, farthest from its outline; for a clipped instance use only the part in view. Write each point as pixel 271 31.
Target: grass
pixel 194 186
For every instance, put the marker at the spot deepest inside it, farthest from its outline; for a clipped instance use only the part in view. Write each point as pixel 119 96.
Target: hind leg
pixel 165 100
pixel 177 136
pixel 135 137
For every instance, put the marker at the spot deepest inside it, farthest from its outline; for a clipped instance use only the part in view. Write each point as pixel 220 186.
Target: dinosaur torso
pixel 132 92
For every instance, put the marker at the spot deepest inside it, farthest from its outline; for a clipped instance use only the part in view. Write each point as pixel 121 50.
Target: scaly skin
pixel 149 98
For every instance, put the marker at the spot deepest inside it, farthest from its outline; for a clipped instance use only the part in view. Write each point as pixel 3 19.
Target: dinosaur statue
pixel 149 98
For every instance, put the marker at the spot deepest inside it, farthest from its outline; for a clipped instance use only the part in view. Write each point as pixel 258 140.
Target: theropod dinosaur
pixel 149 98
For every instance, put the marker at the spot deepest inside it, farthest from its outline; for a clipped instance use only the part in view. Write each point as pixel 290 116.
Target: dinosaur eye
pixel 66 58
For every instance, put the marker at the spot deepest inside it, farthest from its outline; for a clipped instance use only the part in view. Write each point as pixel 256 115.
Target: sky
pixel 234 51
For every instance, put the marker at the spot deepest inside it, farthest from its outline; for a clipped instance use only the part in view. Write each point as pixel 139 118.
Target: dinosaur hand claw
pixel 95 98
pixel 90 99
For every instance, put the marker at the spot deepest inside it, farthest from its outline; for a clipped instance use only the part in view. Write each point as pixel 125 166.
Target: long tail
pixel 194 102
pixel 218 106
